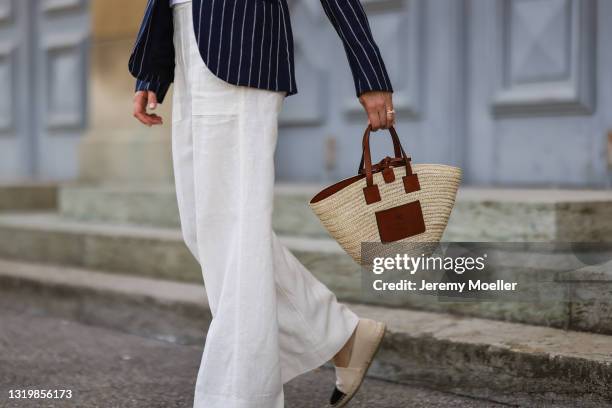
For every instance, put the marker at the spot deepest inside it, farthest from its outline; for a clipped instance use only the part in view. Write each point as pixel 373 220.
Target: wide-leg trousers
pixel 272 319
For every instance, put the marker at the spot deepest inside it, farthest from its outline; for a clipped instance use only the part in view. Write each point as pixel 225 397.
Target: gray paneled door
pixel 540 92
pixel 43 66
pixel 515 91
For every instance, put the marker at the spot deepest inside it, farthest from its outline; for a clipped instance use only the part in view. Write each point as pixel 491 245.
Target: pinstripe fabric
pixel 250 43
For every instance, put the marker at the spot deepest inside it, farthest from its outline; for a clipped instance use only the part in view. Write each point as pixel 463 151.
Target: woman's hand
pixel 379 108
pixel 142 99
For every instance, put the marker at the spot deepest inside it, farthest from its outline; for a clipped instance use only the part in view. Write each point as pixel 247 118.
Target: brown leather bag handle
pixel 397 149
pixel 371 192
pixel 367 156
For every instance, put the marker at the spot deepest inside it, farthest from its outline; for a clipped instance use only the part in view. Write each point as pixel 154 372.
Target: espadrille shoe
pixel 368 338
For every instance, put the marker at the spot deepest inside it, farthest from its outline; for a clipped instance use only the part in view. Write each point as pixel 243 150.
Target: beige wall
pixel 114 27
pixel 113 19
pixel 117 147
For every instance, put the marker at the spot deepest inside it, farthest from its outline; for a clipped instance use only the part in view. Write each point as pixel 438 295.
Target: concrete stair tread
pixel 279 188
pixel 27 183
pixel 512 337
pixel 159 252
pixel 519 195
pixel 128 285
pixel 51 221
pixel 122 188
pixel 28 195
pixel 526 195
pixel 481 214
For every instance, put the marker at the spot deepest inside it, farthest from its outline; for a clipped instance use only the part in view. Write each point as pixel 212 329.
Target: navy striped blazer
pixel 249 42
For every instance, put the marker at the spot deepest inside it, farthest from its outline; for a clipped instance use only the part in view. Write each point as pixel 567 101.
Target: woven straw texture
pixel 350 221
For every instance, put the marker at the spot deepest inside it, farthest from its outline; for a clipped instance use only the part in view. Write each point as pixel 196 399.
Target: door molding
pixel 545 57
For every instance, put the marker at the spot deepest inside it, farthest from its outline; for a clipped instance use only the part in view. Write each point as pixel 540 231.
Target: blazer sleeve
pixel 367 66
pixel 152 58
pixel 157 85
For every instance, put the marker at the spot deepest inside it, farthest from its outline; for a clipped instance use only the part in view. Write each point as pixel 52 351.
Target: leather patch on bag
pixel 411 183
pixel 371 194
pixel 388 175
pixel 400 222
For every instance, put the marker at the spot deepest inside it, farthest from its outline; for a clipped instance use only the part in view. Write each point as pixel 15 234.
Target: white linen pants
pixel 272 319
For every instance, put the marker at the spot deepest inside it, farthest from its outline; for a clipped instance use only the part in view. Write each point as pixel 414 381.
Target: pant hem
pixel 324 353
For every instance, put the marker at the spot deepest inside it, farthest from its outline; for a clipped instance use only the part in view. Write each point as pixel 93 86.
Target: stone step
pixel 480 214
pixel 160 253
pixel 531 215
pixel 505 362
pixel 146 251
pixel 28 196
pixel 161 309
pixel 155 205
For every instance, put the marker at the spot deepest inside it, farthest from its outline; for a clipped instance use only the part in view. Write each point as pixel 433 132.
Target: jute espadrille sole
pixel 379 338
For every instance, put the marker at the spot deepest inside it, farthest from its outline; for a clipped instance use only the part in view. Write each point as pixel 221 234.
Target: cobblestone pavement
pixel 105 368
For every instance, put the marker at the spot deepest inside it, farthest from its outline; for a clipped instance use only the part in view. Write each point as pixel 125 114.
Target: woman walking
pixel 231 62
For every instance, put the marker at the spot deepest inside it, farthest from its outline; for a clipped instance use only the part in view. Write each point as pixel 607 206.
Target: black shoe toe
pixel 336 397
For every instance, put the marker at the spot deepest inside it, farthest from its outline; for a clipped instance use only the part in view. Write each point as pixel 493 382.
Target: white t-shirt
pixel 175 2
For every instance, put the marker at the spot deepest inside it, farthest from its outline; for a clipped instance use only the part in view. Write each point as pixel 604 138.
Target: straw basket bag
pixel 389 202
